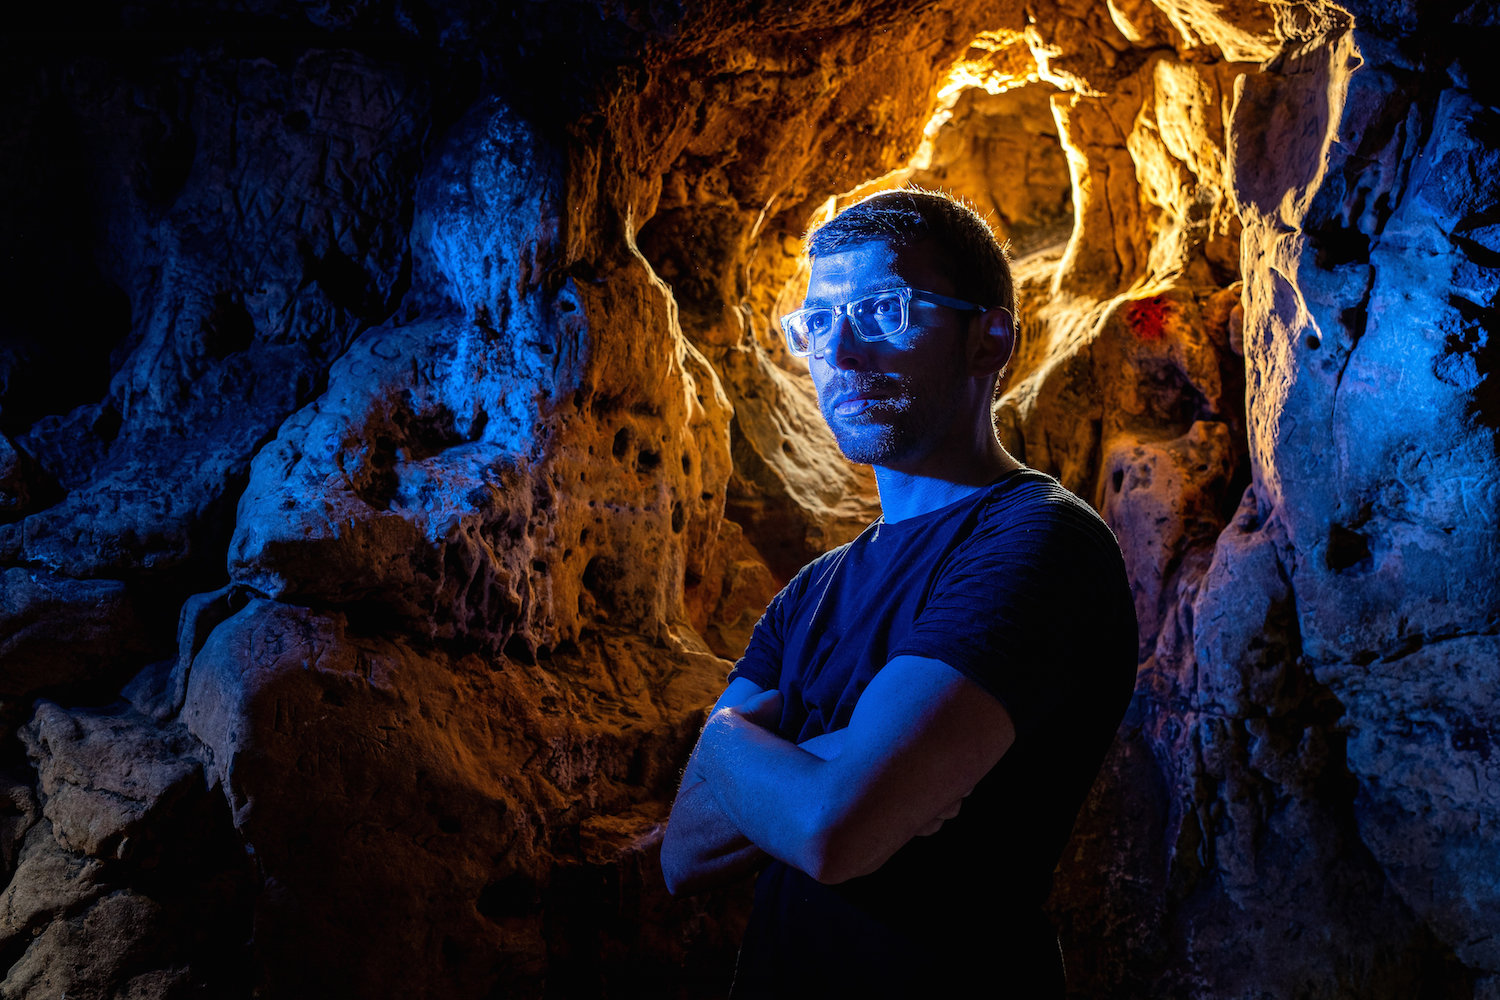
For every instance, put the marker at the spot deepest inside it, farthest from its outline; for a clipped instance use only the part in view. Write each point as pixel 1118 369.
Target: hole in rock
pixel 345 280
pixel 621 444
pixel 228 328
pixel 1354 319
pixel 1341 246
pixel 1346 549
pixel 600 578
pixel 519 650
pixel 511 896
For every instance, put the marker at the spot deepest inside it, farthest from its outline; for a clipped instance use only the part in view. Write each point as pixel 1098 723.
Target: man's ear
pixel 994 341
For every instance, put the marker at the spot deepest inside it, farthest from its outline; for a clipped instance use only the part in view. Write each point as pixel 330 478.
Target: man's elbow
pixel 678 883
pixel 671 876
pixel 676 869
pixel 682 880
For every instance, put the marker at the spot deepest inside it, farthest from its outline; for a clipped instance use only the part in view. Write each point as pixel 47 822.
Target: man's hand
pixel 763 709
pixel 940 819
pixel 826 746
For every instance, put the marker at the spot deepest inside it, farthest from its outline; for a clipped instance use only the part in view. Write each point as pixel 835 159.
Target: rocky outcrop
pixel 420 445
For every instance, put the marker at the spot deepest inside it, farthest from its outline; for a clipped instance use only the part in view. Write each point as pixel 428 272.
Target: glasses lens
pixel 880 316
pixel 875 317
pixel 804 326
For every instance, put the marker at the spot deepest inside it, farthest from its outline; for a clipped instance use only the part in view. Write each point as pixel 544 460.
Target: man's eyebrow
pixel 816 302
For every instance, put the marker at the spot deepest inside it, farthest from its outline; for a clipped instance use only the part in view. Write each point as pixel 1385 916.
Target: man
pixel 920 713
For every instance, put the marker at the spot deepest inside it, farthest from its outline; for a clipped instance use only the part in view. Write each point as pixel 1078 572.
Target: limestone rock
pixel 1162 500
pixel 1244 622
pixel 23 486
pixel 1426 804
pixel 290 155
pixel 48 882
pixel 56 632
pixel 18 813
pixel 108 779
pixel 456 789
pixel 94 956
pixel 1377 488
pixel 1001 152
pixel 792 491
pixel 745 589
pixel 432 476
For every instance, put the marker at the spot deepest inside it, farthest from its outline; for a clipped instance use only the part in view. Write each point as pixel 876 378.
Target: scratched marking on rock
pixel 356 96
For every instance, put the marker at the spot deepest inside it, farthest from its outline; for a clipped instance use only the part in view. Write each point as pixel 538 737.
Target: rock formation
pixel 396 444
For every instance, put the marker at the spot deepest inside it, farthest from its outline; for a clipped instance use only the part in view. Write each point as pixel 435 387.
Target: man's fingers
pixel 951 811
pixel 941 818
pixel 763 709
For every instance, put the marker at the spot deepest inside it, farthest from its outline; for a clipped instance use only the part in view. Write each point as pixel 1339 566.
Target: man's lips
pixel 848 404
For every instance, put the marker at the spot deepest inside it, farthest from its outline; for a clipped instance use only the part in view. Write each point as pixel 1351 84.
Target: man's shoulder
pixel 1031 496
pixel 1033 516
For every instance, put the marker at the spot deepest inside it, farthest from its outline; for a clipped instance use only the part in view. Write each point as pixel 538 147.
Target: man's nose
pixel 844 348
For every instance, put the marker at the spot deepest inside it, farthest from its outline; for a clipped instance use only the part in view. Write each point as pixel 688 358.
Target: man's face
pixel 896 403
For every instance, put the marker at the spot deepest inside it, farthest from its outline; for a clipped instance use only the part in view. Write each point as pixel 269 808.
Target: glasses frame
pixel 905 292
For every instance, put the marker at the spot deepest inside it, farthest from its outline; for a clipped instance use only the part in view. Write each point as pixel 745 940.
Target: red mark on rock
pixel 1147 317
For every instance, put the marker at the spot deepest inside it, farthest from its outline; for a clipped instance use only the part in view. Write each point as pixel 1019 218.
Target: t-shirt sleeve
pixel 761 662
pixel 1013 607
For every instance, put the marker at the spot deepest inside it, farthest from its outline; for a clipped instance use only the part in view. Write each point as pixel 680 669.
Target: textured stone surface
pixel 47 882
pixel 96 956
pixel 1001 152
pixel 57 632
pixel 1374 446
pixel 1426 805
pixel 421 810
pixel 107 779
pixel 420 362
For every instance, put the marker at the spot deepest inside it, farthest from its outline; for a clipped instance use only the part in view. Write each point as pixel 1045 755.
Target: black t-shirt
pixel 1020 587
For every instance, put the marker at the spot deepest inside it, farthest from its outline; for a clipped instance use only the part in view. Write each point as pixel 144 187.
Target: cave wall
pixel 395 440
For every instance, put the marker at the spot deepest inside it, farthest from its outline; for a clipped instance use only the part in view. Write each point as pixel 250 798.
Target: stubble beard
pixel 881 441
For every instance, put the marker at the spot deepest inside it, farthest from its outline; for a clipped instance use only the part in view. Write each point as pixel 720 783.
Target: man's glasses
pixel 875 317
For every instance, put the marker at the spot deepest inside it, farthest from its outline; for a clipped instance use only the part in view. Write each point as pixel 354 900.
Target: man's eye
pixel 817 322
pixel 886 305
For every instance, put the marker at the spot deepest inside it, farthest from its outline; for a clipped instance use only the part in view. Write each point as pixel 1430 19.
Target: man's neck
pixel 906 494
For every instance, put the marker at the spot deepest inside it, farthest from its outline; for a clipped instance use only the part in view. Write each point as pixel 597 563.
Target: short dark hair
pixel 978 263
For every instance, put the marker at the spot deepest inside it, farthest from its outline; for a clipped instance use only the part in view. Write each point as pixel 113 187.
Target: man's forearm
pixel 702 848
pixel 920 739
pixel 767 788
